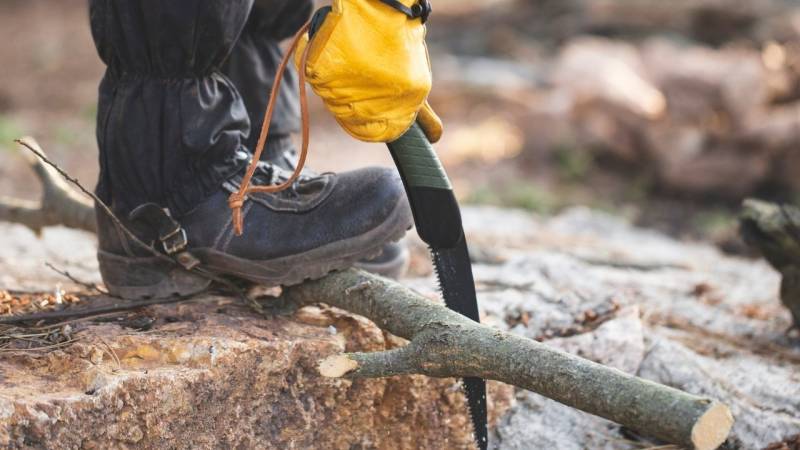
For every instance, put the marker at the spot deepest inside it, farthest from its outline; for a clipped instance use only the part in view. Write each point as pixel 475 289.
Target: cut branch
pixel 446 344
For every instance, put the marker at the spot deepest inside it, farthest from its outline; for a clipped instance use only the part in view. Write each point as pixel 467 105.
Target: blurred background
pixel 668 113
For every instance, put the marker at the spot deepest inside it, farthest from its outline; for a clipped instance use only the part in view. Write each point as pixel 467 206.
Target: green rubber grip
pixel 417 160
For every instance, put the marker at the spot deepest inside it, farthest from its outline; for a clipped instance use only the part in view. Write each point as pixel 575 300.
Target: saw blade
pixel 438 220
pixel 454 271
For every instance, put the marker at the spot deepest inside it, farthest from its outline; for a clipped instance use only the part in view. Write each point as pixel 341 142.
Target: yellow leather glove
pixel 369 64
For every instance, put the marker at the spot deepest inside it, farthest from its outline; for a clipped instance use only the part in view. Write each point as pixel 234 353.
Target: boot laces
pixel 277 181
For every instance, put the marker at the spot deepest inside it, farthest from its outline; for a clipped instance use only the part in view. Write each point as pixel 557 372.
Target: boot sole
pixel 142 278
pixel 394 268
pixel 139 278
pixel 316 263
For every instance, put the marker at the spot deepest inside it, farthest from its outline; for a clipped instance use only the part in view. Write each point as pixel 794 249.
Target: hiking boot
pixel 172 132
pixel 394 257
pixel 322 224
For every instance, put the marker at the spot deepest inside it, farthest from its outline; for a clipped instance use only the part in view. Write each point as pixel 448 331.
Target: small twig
pixel 111 351
pixel 86 284
pixel 91 312
pixel 25 336
pixel 40 154
pixel 24 339
pixel 39 349
pixel 63 323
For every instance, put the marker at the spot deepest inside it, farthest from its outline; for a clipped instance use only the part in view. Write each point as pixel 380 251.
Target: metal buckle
pixel 420 10
pixel 171 245
pixel 425 10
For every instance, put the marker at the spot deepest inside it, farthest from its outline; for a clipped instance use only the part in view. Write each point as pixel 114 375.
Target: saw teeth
pixel 437 264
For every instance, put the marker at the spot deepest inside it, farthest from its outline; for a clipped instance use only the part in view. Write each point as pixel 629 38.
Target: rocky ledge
pixel 210 373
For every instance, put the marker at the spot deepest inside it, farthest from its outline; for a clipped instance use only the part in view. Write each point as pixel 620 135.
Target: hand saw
pixel 438 220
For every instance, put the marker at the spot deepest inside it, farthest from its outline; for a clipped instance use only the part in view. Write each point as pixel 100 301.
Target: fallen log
pixel 445 344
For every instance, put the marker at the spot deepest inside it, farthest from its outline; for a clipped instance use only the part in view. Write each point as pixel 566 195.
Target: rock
pixel 710 324
pixel 216 376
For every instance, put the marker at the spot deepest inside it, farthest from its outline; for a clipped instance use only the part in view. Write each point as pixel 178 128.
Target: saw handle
pixel 433 204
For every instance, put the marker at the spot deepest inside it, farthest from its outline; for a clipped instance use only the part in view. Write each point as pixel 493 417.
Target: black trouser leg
pixel 252 65
pixel 170 124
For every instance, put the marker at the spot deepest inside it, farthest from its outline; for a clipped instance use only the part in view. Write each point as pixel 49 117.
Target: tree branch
pixel 60 204
pixel 446 344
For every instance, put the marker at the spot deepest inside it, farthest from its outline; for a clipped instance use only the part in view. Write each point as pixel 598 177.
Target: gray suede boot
pixel 393 259
pixel 172 130
pixel 323 223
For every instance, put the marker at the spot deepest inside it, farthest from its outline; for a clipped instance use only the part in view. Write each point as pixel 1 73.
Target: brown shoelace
pixel 237 199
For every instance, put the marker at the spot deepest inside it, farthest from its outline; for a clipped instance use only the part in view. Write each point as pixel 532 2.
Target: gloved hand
pixel 369 64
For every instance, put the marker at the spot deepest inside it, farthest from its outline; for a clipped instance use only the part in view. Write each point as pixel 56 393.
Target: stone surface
pixel 212 374
pixel 682 314
pixel 215 376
